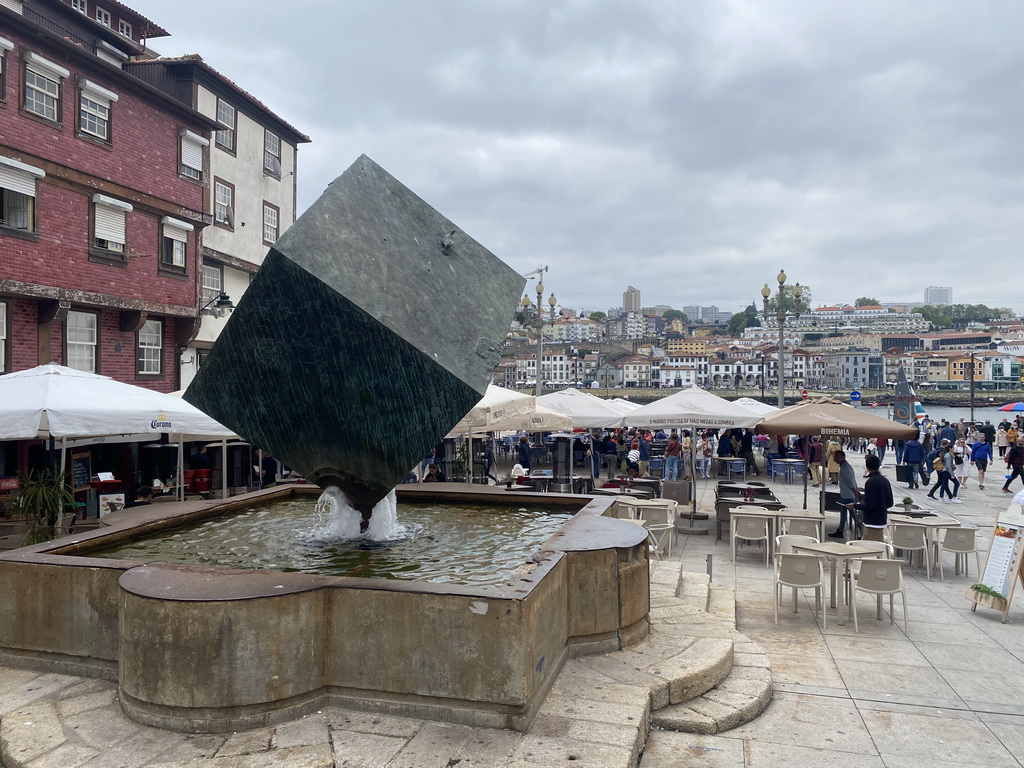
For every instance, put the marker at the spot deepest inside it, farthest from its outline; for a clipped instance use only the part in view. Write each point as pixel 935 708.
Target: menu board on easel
pixel 1003 563
pixel 81 471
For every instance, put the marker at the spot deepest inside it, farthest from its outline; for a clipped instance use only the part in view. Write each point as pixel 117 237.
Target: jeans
pixel 880 450
pixel 671 467
pixel 943 485
pixel 843 512
pixel 1018 471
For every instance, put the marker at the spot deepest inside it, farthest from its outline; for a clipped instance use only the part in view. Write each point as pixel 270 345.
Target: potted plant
pixel 908 504
pixel 42 502
pixel 507 480
pixel 985 595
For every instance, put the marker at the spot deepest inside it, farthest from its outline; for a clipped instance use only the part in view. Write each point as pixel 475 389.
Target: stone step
pixel 739 696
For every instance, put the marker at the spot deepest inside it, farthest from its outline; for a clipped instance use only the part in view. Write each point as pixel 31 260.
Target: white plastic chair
pixel 751 528
pixel 801 526
pixel 960 541
pixel 661 524
pixel 784 543
pixel 913 538
pixel 800 572
pixel 880 577
pixel 627 507
pixel 883 549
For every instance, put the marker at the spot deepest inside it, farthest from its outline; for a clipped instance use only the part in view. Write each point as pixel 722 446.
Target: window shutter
pixel 44 67
pixel 192 150
pixel 176 229
pixel 110 224
pixel 19 177
pixel 110 218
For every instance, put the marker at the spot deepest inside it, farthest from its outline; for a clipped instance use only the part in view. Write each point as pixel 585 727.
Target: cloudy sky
pixel 690 149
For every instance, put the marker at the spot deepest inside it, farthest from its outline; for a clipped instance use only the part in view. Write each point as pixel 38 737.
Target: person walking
pixel 1015 462
pixel 913 456
pixel 523 453
pixel 830 459
pixel 645 454
pixel 981 455
pixel 943 465
pixel 815 451
pixel 880 446
pixel 961 462
pixel 1002 441
pixel 876 503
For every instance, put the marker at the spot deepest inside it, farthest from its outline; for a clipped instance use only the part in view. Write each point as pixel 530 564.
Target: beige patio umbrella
pixel 828 417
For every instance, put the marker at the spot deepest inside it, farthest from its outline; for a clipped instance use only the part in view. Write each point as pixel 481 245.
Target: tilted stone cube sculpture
pixel 372 327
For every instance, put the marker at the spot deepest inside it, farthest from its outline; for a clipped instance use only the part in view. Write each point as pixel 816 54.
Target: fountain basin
pixel 210 649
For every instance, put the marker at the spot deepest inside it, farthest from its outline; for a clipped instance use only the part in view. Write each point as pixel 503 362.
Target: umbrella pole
pixel 224 468
pixel 181 468
pixel 63 454
pixel 824 483
pixel 807 471
pixel 693 476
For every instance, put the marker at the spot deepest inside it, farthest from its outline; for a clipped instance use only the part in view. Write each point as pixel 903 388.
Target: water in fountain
pixel 343 522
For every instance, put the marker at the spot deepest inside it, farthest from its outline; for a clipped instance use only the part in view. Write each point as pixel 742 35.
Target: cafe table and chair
pixel 878 578
pixel 931 523
pixel 961 542
pixel 788 468
pixel 725 504
pixel 800 572
pixel 840 555
pixel 750 523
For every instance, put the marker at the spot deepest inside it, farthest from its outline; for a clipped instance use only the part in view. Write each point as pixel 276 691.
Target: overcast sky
pixel 690 149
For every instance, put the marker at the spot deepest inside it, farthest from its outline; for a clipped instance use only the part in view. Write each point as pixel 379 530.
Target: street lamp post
pixel 786 305
pixel 540 325
pixel 762 376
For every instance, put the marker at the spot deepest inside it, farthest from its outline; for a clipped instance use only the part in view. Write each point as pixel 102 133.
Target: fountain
pixel 338 362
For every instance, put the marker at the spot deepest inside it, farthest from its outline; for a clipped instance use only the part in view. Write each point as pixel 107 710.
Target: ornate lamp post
pixel 762 376
pixel 540 325
pixel 787 304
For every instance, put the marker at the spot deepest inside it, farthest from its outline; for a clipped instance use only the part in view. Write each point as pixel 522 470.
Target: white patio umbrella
pixel 693 407
pixel 627 405
pixel 54 401
pixel 497 404
pixel 756 406
pixel 585 410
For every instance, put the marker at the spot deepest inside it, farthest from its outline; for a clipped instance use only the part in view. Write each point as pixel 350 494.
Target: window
pixel 18 194
pixel 223 203
pixel 226 116
pixel 102 16
pixel 94 110
pixel 42 87
pixel 81 341
pixel 271 213
pixel 149 347
pixel 191 165
pixel 174 247
pixel 272 154
pixel 110 223
pixel 213 283
pixel 79 5
pixel 124 28
pixel 5 46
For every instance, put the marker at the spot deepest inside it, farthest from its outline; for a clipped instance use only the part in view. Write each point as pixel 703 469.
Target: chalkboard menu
pixel 1003 563
pixel 81 471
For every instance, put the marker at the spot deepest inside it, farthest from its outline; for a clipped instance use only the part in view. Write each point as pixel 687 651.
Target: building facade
pixel 102 179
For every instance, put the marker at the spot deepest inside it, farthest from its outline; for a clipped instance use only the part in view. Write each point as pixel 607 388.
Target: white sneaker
pixel 956 500
pixel 945 500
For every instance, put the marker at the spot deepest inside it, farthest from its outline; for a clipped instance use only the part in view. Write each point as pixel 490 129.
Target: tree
pixel 744 319
pixel 675 314
pixel 598 316
pixel 801 305
pixel 866 301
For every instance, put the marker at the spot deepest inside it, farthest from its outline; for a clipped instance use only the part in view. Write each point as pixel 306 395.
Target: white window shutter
pixel 192 150
pixel 110 224
pixel 17 180
pixel 176 229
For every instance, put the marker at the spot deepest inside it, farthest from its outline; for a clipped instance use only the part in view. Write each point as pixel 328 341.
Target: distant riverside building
pixel 711 314
pixel 631 300
pixel 935 294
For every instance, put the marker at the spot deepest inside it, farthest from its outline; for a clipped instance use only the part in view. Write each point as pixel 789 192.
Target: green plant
pixel 43 498
pixel 984 589
pixel 907 500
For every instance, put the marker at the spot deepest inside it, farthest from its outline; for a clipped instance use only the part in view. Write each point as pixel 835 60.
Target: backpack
pixel 938 464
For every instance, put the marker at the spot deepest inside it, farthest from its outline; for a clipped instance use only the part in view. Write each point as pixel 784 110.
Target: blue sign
pixel 855 395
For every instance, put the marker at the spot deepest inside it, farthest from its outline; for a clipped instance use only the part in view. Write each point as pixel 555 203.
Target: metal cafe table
pixel 932 524
pixel 788 467
pixel 836 552
pixel 724 505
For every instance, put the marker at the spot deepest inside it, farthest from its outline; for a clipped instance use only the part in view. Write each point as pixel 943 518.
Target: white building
pixel 935 294
pixel 251 185
pixel 631 300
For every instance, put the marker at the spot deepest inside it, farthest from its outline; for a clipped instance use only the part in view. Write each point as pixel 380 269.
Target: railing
pixel 52 26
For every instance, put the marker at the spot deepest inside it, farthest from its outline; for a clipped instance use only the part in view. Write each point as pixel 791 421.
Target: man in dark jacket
pixel 913 456
pixel 877 500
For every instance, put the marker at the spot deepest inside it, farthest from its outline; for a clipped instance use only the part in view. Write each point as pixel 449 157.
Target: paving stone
pixel 538 752
pixel 102 730
pixel 64 756
pixel 33 688
pixel 656 687
pixel 586 730
pixel 147 745
pixel 317 756
pixel 86 702
pixel 247 742
pixel 364 722
pixel 668 749
pixel 84 688
pixel 434 744
pixel 194 746
pixel 11 678
pixel 302 733
pixel 364 750
pixel 703 666
pixel 30 731
pixel 598 711
pixel 490 748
